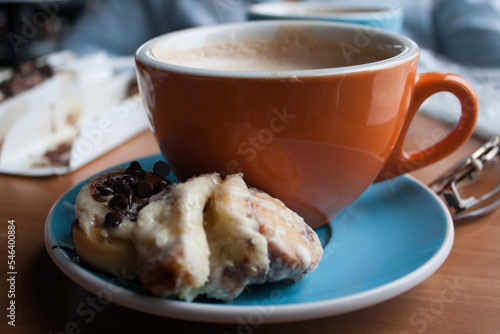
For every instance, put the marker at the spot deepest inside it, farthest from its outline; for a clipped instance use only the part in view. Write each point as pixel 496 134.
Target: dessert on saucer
pixel 206 237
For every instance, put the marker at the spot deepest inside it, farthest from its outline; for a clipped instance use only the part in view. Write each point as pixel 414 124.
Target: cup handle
pixel 427 84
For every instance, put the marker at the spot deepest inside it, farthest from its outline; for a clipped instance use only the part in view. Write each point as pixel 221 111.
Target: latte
pixel 291 49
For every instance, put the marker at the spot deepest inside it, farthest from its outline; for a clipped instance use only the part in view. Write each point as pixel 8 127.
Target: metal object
pixel 469 170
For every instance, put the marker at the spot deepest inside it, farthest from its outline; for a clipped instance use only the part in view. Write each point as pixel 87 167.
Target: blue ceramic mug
pixel 388 16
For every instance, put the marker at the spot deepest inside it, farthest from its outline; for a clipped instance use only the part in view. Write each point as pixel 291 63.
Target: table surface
pixel 462 296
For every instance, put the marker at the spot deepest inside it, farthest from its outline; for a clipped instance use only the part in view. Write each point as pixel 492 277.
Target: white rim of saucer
pixel 367 10
pixel 237 31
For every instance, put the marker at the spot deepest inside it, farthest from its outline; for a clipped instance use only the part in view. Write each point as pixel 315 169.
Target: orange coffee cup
pixel 310 112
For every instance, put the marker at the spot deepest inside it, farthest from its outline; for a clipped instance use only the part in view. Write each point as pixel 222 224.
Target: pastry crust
pixel 254 239
pixel 109 254
pixel 239 255
pixel 171 241
pixel 109 245
pixel 294 249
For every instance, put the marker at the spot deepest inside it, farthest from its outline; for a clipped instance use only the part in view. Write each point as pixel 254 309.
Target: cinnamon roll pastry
pixel 239 252
pixel 106 211
pixel 171 242
pixel 203 237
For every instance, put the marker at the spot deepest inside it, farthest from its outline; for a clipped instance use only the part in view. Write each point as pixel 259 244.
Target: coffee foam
pixel 291 49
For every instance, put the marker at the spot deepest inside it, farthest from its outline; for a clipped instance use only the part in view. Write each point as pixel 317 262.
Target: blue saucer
pixel 392 238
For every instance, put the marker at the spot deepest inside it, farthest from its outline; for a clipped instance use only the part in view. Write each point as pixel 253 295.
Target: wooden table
pixel 463 296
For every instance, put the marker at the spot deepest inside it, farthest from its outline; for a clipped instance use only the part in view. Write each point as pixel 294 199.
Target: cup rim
pixel 409 51
pixel 286 9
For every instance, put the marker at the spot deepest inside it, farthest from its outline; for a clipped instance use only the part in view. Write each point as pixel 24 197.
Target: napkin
pixel 83 111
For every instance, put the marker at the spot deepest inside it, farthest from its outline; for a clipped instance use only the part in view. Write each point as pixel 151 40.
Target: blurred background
pixel 32 28
pixel 456 36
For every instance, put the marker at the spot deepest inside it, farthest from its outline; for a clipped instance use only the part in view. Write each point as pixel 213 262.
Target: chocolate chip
pixel 112 183
pixel 138 174
pixel 161 168
pixel 128 179
pixel 134 165
pixel 159 186
pixel 112 219
pixel 129 194
pixel 105 190
pixel 144 189
pixel 119 202
pixel 123 185
pixel 108 180
pixel 135 170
